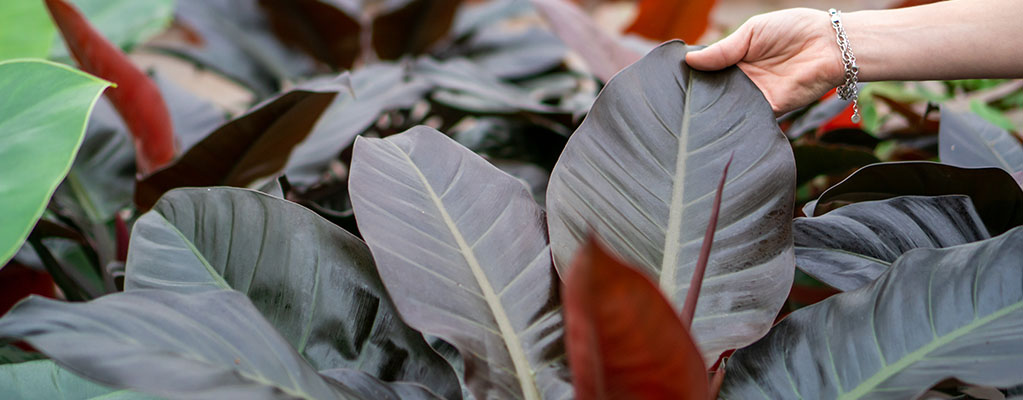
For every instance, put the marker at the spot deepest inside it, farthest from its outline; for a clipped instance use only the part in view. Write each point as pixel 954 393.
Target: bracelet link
pixel 849 89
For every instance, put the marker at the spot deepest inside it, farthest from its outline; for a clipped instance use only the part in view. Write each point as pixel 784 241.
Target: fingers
pixel 724 53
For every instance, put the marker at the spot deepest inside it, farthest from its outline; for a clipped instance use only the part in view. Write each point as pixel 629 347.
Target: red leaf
pixel 624 339
pixel 18 282
pixel 136 98
pixel 672 19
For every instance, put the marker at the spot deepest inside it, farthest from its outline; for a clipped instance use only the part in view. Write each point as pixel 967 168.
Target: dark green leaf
pixel 996 196
pixel 255 145
pixel 465 246
pixel 315 282
pixel 43 113
pixel 642 169
pixel 201 345
pixel 850 247
pixel 967 140
pixel 44 380
pixel 10 354
pixel 937 313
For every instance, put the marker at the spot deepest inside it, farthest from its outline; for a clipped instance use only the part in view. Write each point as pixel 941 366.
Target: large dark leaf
pixel 642 169
pixel 377 88
pixel 318 27
pixel 413 28
pixel 464 246
pixel 937 313
pixel 315 282
pixel 853 245
pixel 233 37
pixel 201 345
pixel 824 159
pixel 997 197
pixel 967 140
pixel 44 380
pixel 624 339
pixel 253 146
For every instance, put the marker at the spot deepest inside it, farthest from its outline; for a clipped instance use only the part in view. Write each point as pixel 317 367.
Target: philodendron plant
pixel 457 285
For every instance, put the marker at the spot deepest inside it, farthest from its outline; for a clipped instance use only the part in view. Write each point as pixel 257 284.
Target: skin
pixel 793 57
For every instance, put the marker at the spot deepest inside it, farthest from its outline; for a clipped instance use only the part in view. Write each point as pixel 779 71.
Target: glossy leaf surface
pixel 996 196
pixel 967 140
pixel 315 282
pixel 44 380
pixel 624 339
pixel 850 247
pixel 136 97
pixel 198 346
pixel 641 172
pixel 937 313
pixel 43 114
pixel 255 145
pixel 464 244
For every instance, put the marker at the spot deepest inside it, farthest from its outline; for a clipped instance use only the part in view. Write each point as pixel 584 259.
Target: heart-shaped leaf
pixel 996 196
pixel 43 379
pixel 314 281
pixel 200 345
pixel 850 247
pixel 937 313
pixel 255 145
pixel 967 140
pixel 42 121
pixel 641 172
pixel 463 247
pixel 624 339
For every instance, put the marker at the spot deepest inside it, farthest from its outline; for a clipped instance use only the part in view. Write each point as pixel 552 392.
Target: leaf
pixel 967 140
pixel 816 159
pixel 624 339
pixel 378 88
pixel 319 28
pixel 467 86
pixel 11 354
pixel 641 172
pixel 511 54
pixel 370 388
pixel 413 28
pixel 850 247
pixel 465 245
pixel 201 345
pixel 18 281
pixel 25 30
pixel 313 281
pixel 126 23
pixel 603 53
pixel 234 38
pixel 43 379
pixel 937 313
pixel 994 193
pixel 255 145
pixel 42 119
pixel 672 19
pixel 135 97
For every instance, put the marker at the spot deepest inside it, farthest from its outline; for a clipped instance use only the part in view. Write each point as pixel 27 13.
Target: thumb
pixel 724 53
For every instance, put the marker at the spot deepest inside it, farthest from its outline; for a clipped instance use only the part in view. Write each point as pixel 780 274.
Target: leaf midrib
pixel 906 361
pixel 673 234
pixel 512 343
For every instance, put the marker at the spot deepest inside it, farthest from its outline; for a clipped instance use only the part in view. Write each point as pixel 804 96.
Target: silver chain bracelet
pixel 848 90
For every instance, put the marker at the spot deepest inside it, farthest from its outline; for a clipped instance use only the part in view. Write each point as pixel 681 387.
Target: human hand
pixel 791 55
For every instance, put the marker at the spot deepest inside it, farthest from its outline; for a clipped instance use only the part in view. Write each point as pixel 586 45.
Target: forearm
pixel 956 39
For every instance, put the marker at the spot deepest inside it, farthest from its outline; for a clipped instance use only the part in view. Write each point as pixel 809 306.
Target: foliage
pixel 459 214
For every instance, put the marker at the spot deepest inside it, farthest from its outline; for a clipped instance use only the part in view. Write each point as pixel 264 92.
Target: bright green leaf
pixel 25 29
pixel 43 112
